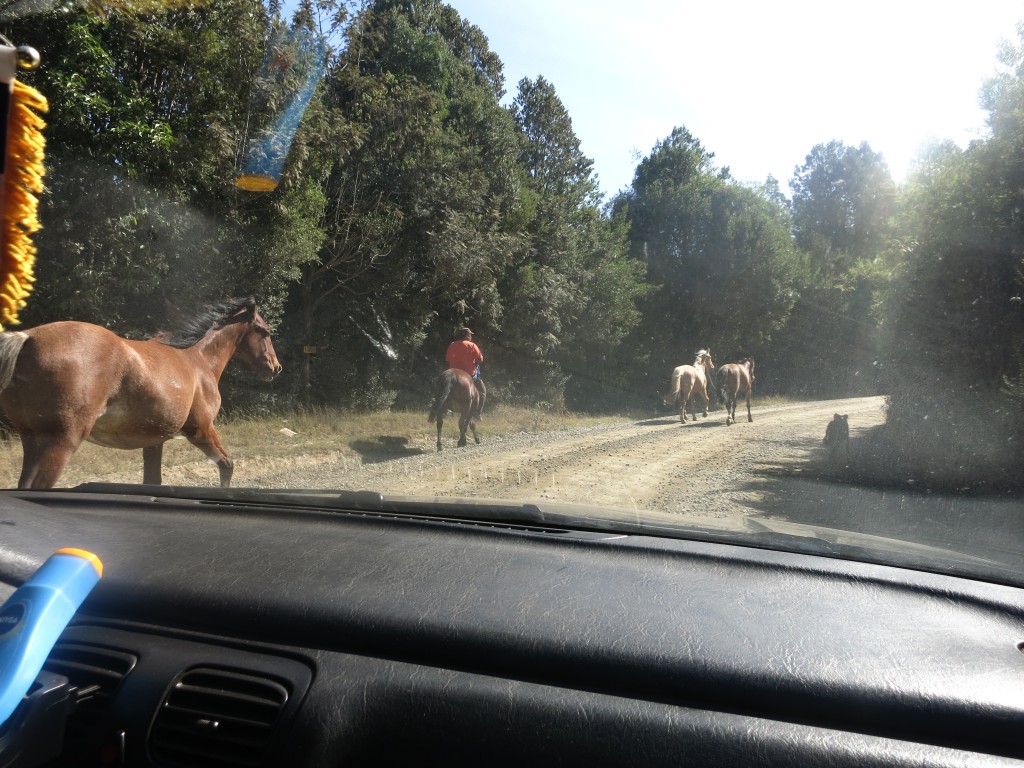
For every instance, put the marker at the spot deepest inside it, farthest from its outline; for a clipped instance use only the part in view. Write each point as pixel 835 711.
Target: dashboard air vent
pixel 214 717
pixel 94 669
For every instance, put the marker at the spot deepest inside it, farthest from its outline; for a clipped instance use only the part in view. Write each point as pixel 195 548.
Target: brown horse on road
pixel 455 391
pixel 690 382
pixel 736 380
pixel 66 382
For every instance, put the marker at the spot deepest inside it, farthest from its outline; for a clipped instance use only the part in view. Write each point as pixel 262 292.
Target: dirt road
pixel 759 476
pixel 703 472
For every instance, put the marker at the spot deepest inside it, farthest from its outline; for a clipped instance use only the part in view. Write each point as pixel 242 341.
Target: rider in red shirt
pixel 466 356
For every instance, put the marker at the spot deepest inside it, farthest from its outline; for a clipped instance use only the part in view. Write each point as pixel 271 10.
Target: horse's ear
pixel 248 305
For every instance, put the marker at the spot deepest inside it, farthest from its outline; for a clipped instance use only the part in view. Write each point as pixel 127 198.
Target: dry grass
pixel 345 435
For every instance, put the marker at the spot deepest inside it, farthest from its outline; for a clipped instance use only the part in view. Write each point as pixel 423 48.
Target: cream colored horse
pixel 690 382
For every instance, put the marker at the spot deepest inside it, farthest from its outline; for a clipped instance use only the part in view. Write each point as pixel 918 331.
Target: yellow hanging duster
pixel 21 183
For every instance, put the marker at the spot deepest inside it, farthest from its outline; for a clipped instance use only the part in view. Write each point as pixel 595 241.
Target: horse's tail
pixel 722 376
pixel 677 382
pixel 444 388
pixel 10 347
pixel 709 383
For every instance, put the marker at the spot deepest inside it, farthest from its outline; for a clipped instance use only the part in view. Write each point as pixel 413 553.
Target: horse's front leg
pixel 207 441
pixel 707 403
pixel 472 427
pixel 440 423
pixel 152 455
pixel 749 417
pixel 463 426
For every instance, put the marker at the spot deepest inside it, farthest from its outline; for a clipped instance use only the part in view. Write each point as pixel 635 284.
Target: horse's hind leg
pixel 749 417
pixel 463 426
pixel 44 459
pixel 472 427
pixel 440 423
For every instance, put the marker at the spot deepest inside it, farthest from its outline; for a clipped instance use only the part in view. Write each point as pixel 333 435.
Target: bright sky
pixel 758 83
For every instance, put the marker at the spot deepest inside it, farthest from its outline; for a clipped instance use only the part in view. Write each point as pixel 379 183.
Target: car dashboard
pixel 240 630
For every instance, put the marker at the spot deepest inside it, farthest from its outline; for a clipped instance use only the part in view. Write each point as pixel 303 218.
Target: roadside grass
pixel 757 400
pixel 350 435
pixel 316 431
pixel 381 433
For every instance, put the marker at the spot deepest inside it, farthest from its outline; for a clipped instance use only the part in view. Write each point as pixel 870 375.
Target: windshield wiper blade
pixel 525 513
pixel 762 533
pixel 340 500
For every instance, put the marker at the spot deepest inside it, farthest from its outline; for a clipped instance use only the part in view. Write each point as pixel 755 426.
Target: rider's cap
pixel 465 332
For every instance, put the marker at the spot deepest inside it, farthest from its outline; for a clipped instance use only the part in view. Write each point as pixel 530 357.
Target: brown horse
pixel 690 382
pixel 66 382
pixel 456 392
pixel 736 380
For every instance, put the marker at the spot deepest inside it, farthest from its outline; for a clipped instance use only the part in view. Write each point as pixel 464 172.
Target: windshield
pixel 754 274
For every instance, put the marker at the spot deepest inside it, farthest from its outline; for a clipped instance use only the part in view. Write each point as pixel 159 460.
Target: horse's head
pixel 704 360
pixel 255 348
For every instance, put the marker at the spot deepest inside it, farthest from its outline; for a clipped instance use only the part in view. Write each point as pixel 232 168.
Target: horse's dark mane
pixel 214 315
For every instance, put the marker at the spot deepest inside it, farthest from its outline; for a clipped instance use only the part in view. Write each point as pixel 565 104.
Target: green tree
pixel 571 290
pixel 955 336
pixel 844 201
pixel 147 119
pixel 419 195
pixel 720 252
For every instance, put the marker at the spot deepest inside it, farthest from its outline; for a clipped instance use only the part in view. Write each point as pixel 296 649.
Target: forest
pixel 417 199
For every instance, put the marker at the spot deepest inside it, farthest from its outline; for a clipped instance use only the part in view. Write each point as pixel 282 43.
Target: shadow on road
pixel 384 448
pixel 812 493
pixel 666 420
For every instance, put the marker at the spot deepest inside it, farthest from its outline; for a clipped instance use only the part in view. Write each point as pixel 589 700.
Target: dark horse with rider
pixel 460 388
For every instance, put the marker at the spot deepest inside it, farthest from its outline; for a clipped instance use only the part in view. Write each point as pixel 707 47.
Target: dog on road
pixel 837 436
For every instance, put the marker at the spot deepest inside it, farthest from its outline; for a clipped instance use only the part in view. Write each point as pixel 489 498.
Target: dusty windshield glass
pixel 533 254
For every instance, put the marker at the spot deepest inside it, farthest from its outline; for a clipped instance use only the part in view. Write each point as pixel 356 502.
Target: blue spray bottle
pixel 35 615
